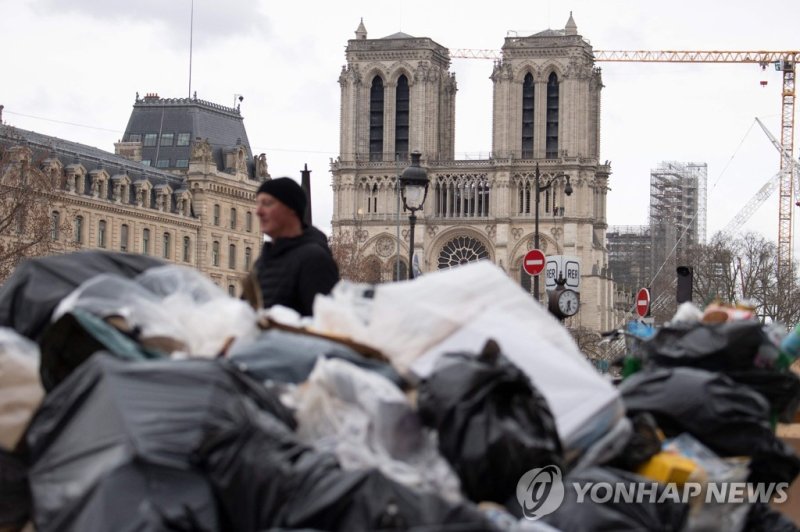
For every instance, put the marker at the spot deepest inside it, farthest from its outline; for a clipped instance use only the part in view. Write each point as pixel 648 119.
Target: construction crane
pixel 766 190
pixel 784 61
pixel 793 169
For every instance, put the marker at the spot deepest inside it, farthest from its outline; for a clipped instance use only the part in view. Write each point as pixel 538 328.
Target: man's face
pixel 275 219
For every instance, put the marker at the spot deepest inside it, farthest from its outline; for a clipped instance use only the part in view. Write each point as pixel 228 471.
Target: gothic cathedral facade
pixel 398 96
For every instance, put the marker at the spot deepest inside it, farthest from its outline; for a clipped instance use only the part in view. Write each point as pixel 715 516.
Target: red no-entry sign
pixel 533 262
pixel 642 302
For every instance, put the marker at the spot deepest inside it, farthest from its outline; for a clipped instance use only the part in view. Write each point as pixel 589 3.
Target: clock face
pixel 568 302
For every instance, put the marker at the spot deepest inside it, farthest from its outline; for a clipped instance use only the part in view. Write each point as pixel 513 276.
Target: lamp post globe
pixel 414 190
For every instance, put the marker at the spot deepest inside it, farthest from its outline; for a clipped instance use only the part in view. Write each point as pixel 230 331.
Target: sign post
pixel 643 302
pixel 533 262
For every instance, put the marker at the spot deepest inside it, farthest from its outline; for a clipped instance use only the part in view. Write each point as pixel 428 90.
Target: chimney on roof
pixel 1 114
pixel 305 184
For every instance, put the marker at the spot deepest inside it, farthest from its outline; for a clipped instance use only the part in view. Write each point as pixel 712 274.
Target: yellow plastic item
pixel 668 467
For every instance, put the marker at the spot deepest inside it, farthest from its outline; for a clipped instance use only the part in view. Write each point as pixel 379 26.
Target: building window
pixel 77 230
pixel 461 250
pixel 183 139
pixel 167 138
pixel 165 251
pixel 372 199
pixel 182 163
pixel 399 270
pixel 162 163
pixel 233 218
pixel 146 162
pixel 101 234
pixel 215 253
pixel 248 258
pixel 527 117
pixel 216 214
pixel 376 120
pixel 55 223
pixel 150 139
pixel 524 188
pixel 134 137
pixel 551 148
pixel 231 290
pixel 187 247
pixel 248 221
pixel 232 257
pixel 123 237
pixel 146 241
pixel 402 106
pixel 465 197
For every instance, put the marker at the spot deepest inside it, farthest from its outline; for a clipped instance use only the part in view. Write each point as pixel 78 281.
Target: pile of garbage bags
pixel 139 396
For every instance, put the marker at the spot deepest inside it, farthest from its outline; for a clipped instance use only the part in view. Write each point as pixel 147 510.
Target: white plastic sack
pixel 367 422
pixel 459 309
pixel 346 311
pixel 21 391
pixel 113 295
pixel 208 316
pixel 168 301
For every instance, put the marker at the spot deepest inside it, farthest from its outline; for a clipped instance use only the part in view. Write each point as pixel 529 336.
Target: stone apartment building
pixel 180 186
pixel 398 95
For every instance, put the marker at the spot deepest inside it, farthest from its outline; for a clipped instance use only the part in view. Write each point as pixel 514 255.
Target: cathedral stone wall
pixel 479 209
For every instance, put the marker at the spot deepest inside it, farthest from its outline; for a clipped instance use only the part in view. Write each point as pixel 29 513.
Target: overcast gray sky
pixel 71 69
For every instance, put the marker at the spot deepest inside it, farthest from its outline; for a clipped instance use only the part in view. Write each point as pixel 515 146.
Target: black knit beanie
pixel 288 192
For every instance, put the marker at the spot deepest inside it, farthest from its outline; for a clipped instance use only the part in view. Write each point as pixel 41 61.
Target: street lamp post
pixel 540 188
pixel 414 189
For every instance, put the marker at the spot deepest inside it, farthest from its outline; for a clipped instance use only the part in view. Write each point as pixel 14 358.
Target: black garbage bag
pixel 15 497
pixel 114 423
pixel 29 296
pixel 733 348
pixel 725 346
pixel 780 388
pixel 193 428
pixel 730 419
pixel 649 510
pixel 265 478
pixel 147 497
pixel 76 336
pixel 284 356
pixel 643 444
pixel 762 518
pixel 493 424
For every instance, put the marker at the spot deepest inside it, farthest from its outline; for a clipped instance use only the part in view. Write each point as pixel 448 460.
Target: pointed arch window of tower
pixel 372 198
pixel 551 146
pixel 527 117
pixel 402 106
pixel 376 120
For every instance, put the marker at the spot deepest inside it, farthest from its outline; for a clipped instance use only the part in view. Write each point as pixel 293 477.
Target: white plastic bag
pixel 168 302
pixel 367 422
pixel 459 309
pixel 207 316
pixel 21 391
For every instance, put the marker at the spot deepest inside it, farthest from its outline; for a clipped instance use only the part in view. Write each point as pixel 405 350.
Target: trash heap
pixel 139 396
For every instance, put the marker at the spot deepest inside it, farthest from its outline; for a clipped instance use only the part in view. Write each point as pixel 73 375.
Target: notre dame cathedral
pixel 398 96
